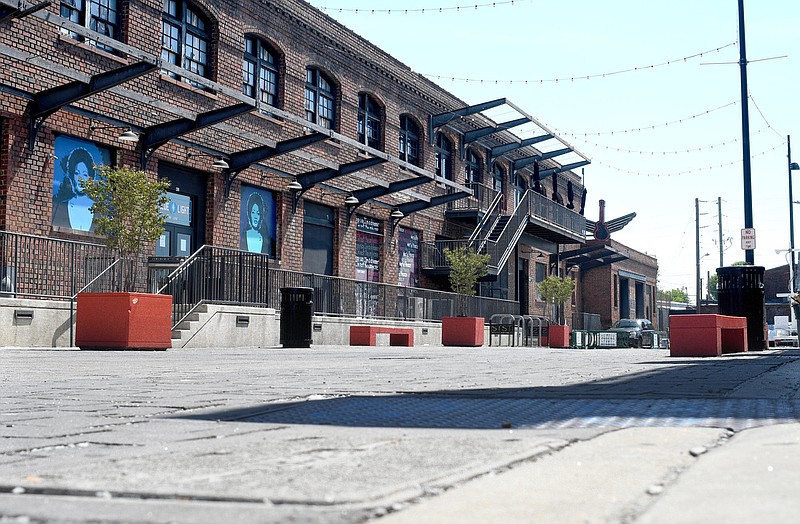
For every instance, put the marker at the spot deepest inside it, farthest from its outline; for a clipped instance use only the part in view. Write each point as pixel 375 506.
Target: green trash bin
pixel 297 308
pixel 740 293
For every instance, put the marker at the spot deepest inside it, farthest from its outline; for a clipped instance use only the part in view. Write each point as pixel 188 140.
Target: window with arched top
pixel 369 121
pixel 186 38
pixel 498 181
pixel 320 101
pixel 260 71
pixel 444 157
pixel 408 148
pixel 520 186
pixel 98 15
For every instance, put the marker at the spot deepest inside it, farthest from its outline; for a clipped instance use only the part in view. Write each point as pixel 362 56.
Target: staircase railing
pixel 487 221
pixel 219 275
pixel 500 249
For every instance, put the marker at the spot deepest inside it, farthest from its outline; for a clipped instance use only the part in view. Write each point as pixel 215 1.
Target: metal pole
pixel 793 268
pixel 697 250
pixel 748 193
pixel 719 216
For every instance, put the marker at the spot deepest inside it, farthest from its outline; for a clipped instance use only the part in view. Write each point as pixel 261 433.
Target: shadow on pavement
pixel 699 394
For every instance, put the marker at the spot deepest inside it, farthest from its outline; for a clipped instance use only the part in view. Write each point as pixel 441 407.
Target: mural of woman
pixel 255 238
pixel 70 204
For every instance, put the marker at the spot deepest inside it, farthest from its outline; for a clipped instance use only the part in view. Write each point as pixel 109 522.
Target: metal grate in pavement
pixel 428 411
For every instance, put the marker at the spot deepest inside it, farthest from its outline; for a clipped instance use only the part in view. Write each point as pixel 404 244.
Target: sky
pixel 663 129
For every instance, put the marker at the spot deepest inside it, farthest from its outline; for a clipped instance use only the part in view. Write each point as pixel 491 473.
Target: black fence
pixel 211 275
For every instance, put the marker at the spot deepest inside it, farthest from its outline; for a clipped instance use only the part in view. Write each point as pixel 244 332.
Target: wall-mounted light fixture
pixel 396 216
pixel 219 160
pixel 126 136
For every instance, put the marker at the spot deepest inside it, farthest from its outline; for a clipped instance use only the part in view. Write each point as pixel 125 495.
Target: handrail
pixel 494 207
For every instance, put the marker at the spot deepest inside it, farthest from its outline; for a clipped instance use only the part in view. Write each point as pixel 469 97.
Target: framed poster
pixel 76 160
pixel 408 257
pixel 257 221
pixel 369 239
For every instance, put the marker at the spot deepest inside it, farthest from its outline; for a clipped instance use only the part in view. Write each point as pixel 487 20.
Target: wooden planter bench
pixel 367 335
pixel 706 335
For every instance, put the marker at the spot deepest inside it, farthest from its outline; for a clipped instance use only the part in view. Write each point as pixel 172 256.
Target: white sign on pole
pixel 749 238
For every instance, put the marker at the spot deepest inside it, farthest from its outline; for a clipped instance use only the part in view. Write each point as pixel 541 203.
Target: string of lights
pixel 650 127
pixel 421 10
pixel 664 152
pixel 576 77
pixel 685 172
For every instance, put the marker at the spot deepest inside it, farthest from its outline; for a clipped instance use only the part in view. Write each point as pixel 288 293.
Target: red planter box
pixel 123 321
pixel 462 331
pixel 558 336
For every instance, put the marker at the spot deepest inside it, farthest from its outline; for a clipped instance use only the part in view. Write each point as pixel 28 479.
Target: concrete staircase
pixel 184 330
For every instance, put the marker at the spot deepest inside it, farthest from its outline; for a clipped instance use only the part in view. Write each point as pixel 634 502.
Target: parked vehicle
pixel 641 332
pixel 779 337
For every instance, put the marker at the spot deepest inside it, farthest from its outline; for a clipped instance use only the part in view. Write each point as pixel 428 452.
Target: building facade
pixel 283 133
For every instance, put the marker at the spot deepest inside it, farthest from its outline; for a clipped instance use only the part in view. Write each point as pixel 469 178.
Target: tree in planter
pixel 127 210
pixel 556 290
pixel 466 267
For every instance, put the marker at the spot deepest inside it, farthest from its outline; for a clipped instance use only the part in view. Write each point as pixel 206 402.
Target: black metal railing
pixel 356 298
pixel 480 200
pixel 214 274
pixel 40 267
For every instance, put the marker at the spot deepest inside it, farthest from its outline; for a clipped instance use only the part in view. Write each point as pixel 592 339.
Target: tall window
pixel 519 189
pixel 320 102
pixel 369 121
pixel 444 157
pixel 409 140
pixel 185 38
pixel 97 15
pixel 498 177
pixel 260 71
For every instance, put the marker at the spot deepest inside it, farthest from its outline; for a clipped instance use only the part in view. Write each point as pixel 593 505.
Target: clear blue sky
pixel 656 170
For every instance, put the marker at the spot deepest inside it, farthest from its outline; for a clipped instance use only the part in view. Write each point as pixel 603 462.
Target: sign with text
pixel 749 238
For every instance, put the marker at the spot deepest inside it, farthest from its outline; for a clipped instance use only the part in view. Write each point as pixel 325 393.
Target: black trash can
pixel 740 293
pixel 297 307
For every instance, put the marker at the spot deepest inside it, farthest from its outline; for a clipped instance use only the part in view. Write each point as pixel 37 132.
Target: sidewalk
pixel 339 434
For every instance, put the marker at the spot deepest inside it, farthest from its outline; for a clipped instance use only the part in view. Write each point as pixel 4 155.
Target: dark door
pixel 522 286
pixel 624 299
pixel 184 231
pixel 318 226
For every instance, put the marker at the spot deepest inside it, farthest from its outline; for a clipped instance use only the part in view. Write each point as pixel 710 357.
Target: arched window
pixel 498 181
pixel 444 157
pixel 185 38
pixel 408 149
pixel 519 189
pixel 320 102
pixel 98 15
pixel 473 173
pixel 369 121
pixel 260 71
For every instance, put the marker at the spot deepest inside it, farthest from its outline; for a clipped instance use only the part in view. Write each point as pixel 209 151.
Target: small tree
pixel 466 267
pixel 555 290
pixel 127 210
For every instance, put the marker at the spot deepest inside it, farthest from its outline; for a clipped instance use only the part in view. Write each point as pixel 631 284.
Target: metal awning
pixel 418 205
pixel 591 256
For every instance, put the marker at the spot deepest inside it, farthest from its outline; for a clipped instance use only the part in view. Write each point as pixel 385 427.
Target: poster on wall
pixel 257 221
pixel 368 249
pixel 75 162
pixel 408 257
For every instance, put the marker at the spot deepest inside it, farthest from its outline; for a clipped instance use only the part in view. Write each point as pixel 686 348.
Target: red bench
pixel 706 335
pixel 367 335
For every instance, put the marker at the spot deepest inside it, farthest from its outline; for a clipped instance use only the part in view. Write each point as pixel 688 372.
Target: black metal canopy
pixel 592 255
pixel 157 135
pixel 241 160
pixel 312 178
pixel 441 119
pixel 519 163
pixel 368 193
pixel 560 169
pixel 47 102
pixel 9 13
pixel 418 205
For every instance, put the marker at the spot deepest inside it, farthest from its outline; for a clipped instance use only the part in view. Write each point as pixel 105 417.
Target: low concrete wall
pixel 34 323
pixel 46 323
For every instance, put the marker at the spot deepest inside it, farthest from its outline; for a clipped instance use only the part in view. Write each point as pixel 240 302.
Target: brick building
pixel 628 277
pixel 284 133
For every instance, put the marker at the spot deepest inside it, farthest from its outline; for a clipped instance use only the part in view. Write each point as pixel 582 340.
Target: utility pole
pixel 793 268
pixel 697 250
pixel 719 216
pixel 748 191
